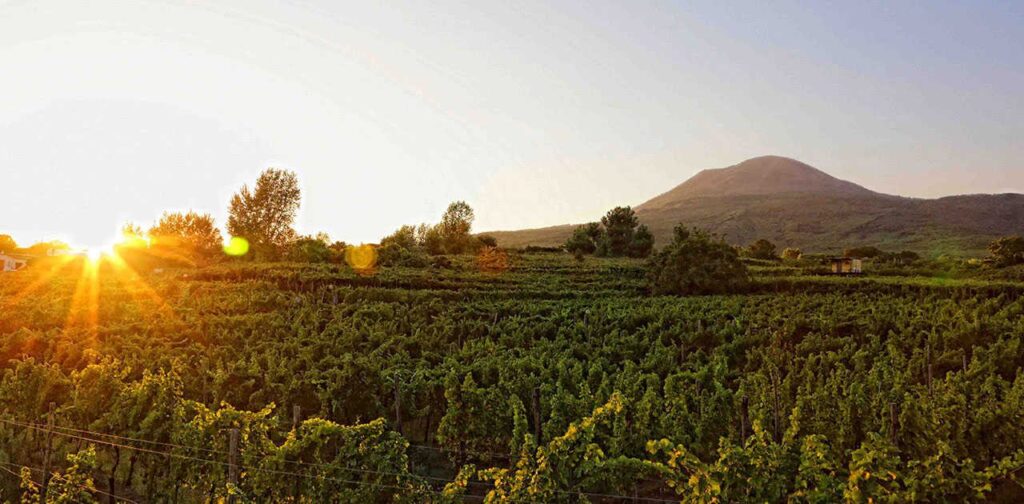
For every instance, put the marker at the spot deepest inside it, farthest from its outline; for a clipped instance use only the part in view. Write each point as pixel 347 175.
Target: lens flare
pixel 237 246
pixel 362 258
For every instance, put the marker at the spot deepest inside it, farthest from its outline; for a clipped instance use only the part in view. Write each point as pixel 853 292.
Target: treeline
pixel 619 234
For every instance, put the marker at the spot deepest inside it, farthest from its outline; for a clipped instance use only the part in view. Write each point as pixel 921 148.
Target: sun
pixel 93 253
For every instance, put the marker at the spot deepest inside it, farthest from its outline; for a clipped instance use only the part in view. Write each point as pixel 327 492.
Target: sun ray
pixel 84 309
pixel 42 278
pixel 134 284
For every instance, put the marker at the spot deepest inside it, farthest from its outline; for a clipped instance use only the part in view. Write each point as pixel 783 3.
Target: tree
pixel 310 249
pixel 337 252
pixel 44 248
pixel 763 249
pixel 791 254
pixel 642 244
pixel 429 237
pixel 865 252
pixel 455 226
pixel 580 242
pixel 189 233
pixel 1007 251
pixel 487 241
pixel 619 224
pixel 900 258
pixel 404 237
pixel 7 244
pixel 696 263
pixel 265 215
pixel 402 248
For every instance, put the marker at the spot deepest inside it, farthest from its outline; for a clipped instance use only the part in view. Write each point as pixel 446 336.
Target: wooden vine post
pixel 233 466
pixel 46 454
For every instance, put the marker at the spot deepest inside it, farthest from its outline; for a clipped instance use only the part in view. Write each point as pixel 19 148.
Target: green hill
pixel 796 205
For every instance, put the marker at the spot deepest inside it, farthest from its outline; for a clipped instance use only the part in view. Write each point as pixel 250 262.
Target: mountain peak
pixel 764 175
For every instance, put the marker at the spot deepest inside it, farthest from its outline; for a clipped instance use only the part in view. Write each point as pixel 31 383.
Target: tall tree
pixel 619 224
pixel 643 242
pixel 265 215
pixel 455 226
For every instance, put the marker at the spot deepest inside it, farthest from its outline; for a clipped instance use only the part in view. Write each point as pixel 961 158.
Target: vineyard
pixel 551 381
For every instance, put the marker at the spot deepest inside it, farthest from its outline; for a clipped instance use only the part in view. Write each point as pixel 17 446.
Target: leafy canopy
pixel 265 215
pixel 696 263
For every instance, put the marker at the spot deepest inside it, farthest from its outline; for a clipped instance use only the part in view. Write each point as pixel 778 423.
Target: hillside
pixel 794 204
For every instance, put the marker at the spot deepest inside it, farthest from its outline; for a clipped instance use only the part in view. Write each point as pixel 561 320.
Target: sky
pixel 535 113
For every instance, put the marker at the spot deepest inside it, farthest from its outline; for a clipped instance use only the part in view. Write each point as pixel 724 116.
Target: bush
pixel 763 249
pixel 580 242
pixel 863 252
pixel 395 255
pixel 309 250
pixel 1007 251
pixel 696 263
pixel 492 260
pixel 792 254
pixel 487 241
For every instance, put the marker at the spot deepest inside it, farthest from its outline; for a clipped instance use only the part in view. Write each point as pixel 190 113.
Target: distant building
pixel 846 266
pixel 11 262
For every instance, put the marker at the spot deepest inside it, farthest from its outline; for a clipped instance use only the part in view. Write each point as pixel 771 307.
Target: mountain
pixel 796 205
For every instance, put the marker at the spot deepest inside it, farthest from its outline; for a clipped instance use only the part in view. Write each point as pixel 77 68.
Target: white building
pixel 11 263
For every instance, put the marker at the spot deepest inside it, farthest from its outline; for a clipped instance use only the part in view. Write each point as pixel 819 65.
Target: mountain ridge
pixel 794 204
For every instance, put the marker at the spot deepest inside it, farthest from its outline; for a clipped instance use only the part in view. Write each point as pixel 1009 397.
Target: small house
pixel 11 263
pixel 846 266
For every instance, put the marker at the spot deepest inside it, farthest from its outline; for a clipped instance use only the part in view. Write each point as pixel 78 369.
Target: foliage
pixel 762 249
pixel 404 238
pixel 265 214
pixel 618 235
pixel 557 381
pixel 696 263
pixel 309 249
pixel 7 244
pixel 619 225
pixel 493 260
pixel 905 257
pixel 792 254
pixel 863 252
pixel 393 254
pixel 581 242
pixel 455 227
pixel 1007 251
pixel 487 240
pixel 189 234
pixel 642 244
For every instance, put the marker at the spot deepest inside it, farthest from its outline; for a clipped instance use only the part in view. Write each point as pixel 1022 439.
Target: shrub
pixel 696 263
pixel 492 260
pixel 580 242
pixel 395 255
pixel 309 250
pixel 792 254
pixel 487 241
pixel 1007 251
pixel 863 252
pixel 763 249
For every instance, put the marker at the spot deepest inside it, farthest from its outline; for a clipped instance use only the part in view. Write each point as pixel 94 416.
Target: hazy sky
pixel 535 113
